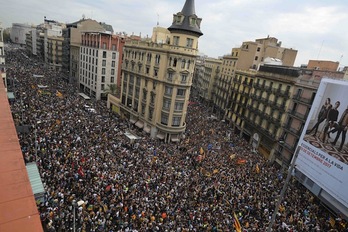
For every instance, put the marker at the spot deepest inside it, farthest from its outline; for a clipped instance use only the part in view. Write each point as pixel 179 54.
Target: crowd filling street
pixel 92 173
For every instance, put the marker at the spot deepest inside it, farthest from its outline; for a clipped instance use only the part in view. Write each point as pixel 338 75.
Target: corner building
pixel 157 77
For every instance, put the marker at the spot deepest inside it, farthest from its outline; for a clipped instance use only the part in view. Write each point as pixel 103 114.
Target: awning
pixel 160 136
pixel 139 124
pixel 132 121
pixel 175 138
pixel 35 179
pixel 10 95
pixel 147 129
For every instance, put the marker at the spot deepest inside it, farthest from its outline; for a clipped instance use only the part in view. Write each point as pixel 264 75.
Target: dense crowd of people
pixel 92 174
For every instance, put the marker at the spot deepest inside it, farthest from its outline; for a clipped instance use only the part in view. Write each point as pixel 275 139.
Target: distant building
pixel 71 45
pixel 2 57
pixel 251 54
pixel 157 77
pixel 18 33
pixel 46 42
pixel 100 54
pixel 324 65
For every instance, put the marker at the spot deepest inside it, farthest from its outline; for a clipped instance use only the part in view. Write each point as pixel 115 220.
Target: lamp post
pixel 74 203
pixel 74 206
pixel 282 193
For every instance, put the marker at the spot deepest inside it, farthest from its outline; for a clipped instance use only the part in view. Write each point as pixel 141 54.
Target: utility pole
pixel 282 193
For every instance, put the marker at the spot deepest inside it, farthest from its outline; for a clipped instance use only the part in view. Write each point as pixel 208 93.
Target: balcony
pixel 302 100
pixel 297 115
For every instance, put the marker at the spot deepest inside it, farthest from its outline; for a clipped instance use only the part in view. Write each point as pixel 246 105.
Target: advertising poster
pixel 323 149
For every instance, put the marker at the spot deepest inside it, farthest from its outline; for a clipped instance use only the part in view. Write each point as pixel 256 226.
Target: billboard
pixel 323 149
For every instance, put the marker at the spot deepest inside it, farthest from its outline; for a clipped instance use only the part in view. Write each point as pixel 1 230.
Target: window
pixel 183 78
pixel 112 79
pixel 150 113
pixel 188 64
pixel 104 45
pixel 176 121
pixel 104 63
pixel 168 91
pixel 193 21
pixel 113 47
pixel 104 54
pixel 152 98
pixel 155 72
pixel 183 63
pixel 258 49
pixel 189 43
pixel 170 76
pixel 142 109
pixel 114 55
pixel 157 61
pixel 102 87
pixel 113 63
pixel 181 92
pixel 138 81
pixel 149 56
pixel 178 106
pixel 144 95
pixel 256 57
pixel 178 19
pixel 176 40
pixel 147 70
pixel 164 119
pixel 166 103
pixel 103 71
pixel 112 71
pixel 103 79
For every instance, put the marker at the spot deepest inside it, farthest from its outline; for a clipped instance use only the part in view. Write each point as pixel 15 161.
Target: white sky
pixel 318 29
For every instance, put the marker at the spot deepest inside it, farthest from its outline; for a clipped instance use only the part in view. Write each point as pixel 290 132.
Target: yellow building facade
pixel 157 77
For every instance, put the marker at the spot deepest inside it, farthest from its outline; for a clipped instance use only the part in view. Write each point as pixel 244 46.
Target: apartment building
pixel 222 87
pixel 72 42
pixel 253 53
pixel 304 92
pixel 18 33
pixel 157 78
pixel 325 65
pixel 46 42
pixel 99 63
pixel 212 68
pixel 54 52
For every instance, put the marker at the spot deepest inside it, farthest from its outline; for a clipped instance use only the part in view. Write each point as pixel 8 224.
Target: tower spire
pixel 187 20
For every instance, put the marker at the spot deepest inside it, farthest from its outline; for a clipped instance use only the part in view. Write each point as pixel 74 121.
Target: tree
pixel 112 89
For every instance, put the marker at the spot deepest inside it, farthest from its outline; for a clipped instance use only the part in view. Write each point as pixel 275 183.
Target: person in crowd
pixel 195 184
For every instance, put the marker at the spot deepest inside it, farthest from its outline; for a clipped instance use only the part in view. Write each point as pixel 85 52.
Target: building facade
pixel 18 33
pixel 71 46
pixel 253 53
pixel 99 63
pixel 324 65
pixel 2 57
pixel 157 77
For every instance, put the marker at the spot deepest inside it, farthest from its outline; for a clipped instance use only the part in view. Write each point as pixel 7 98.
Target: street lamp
pixel 76 204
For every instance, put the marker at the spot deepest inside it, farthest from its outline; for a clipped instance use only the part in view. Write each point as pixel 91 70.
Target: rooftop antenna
pixel 157 19
pixel 320 49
